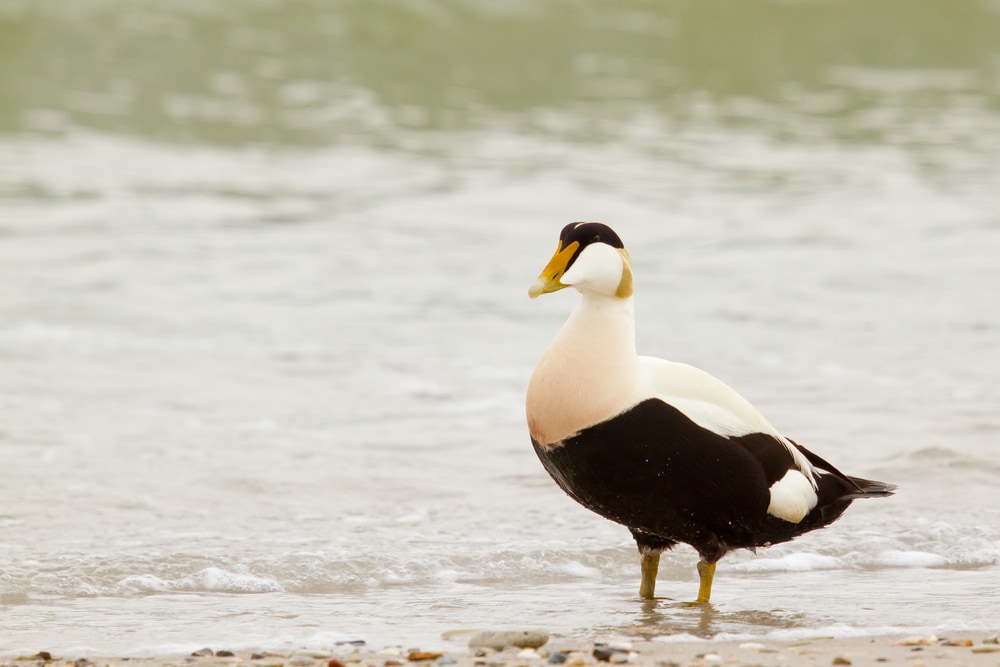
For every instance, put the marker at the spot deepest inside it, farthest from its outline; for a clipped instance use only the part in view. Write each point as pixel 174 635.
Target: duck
pixel 662 447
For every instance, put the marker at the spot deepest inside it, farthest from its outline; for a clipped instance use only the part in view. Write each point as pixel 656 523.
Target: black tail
pixel 868 488
pixel 854 487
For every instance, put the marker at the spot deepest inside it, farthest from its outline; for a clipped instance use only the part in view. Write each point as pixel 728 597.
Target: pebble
pixel 203 653
pixel 841 660
pixel 957 642
pixel 995 639
pixel 617 644
pixel 986 649
pixel 333 662
pixel 918 640
pixel 416 655
pixel 557 658
pixel 712 659
pixel 225 654
pixel 445 660
pixel 501 639
pixel 604 653
pixel 528 653
pixel 752 646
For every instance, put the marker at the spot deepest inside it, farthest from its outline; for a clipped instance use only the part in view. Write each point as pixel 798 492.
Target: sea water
pixel 265 334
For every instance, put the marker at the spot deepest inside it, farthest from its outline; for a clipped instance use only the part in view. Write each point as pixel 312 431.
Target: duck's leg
pixel 650 548
pixel 706 572
pixel 650 564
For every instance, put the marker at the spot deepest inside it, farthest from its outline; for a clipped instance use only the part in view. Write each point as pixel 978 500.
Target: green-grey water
pixel 264 333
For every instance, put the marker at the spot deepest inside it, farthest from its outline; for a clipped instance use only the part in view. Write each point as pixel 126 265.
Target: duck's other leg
pixel 650 563
pixel 706 573
pixel 650 548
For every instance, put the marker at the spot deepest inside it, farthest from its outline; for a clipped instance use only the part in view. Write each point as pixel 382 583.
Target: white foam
pixel 143 583
pixel 795 562
pixel 219 580
pixel 893 558
pixel 837 631
pixel 578 569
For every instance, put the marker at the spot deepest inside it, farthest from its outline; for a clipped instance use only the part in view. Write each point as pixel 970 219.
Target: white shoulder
pixel 708 402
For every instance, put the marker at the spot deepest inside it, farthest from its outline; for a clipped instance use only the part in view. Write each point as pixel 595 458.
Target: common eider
pixel 661 447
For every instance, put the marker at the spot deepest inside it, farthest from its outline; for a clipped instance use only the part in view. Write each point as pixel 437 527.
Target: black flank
pixel 669 480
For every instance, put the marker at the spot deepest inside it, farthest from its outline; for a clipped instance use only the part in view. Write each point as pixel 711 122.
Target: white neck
pixel 589 372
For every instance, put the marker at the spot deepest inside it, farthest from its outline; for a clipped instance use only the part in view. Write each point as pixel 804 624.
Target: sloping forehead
pixel 586 233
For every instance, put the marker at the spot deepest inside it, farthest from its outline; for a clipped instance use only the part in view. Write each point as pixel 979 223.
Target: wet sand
pixel 968 649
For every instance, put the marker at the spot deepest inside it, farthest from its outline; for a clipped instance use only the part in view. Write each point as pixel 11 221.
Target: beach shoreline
pixel 972 649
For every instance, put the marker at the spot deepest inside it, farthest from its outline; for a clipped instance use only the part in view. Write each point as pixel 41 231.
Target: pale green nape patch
pixel 624 290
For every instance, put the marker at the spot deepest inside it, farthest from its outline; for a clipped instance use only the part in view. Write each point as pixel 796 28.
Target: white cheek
pixel 792 497
pixel 599 267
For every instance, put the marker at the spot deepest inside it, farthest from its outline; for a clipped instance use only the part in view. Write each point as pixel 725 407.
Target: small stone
pixel 603 653
pixel 576 662
pixel 258 656
pixel 622 657
pixel 499 640
pixel 986 649
pixel 393 662
pixel 752 646
pixel 617 644
pixel 43 655
pixel 881 659
pixel 841 660
pixel 527 653
pixel 225 654
pixel 957 642
pixel 417 655
pixel 713 659
pixel 918 640
pixel 333 662
pixel 203 653
pixel 445 660
pixel 557 658
pixel 995 639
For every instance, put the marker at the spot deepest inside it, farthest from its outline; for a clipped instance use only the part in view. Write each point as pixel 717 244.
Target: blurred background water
pixel 264 333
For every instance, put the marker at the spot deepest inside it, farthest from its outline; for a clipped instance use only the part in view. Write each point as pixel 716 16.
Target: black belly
pixel 654 470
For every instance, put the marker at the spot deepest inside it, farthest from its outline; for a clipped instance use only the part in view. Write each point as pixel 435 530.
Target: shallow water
pixel 264 332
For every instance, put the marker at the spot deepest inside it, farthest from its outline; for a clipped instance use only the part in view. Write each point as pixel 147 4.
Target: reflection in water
pixel 666 618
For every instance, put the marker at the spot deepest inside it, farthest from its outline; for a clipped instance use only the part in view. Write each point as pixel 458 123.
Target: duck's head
pixel 589 257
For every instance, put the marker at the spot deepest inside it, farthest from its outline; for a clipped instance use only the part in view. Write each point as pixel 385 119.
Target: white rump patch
pixel 792 497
